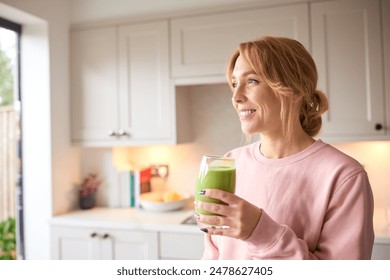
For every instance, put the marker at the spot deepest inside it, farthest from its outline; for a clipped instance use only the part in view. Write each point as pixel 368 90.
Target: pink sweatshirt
pixel 317 204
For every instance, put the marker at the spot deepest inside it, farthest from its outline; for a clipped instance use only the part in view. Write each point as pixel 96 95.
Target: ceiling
pixel 84 11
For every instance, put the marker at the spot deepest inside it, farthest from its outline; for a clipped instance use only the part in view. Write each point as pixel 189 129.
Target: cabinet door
pixel 202 45
pixel 129 245
pixel 73 243
pixel 186 246
pixel 69 243
pixel 381 251
pixel 145 97
pixel 347 49
pixel 94 88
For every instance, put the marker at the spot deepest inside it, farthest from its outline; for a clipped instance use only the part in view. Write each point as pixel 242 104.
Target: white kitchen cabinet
pixel 125 233
pixel 144 85
pixel 78 243
pixel 187 246
pixel 381 251
pixel 94 87
pixel 201 45
pixel 347 48
pixel 121 93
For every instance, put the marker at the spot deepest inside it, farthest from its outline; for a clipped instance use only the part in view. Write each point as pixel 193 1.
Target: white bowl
pixel 147 204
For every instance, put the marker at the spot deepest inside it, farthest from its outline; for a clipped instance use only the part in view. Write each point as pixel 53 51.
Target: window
pixel 11 207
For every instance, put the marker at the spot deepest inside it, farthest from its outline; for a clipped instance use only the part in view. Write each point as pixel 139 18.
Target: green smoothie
pixel 215 177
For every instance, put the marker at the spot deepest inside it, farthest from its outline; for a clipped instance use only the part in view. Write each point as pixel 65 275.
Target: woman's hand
pixel 237 219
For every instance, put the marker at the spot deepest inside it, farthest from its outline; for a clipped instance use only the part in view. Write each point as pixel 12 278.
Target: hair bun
pixel 311 112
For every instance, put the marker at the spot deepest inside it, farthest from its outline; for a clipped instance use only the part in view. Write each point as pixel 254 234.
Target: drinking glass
pixel 216 172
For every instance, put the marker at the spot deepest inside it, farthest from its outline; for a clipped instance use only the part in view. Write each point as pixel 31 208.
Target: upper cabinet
pixel 94 87
pixel 144 92
pixel 201 45
pixel 347 48
pixel 343 36
pixel 121 93
pixel 123 77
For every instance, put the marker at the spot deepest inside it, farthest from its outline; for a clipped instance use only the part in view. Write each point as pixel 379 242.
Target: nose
pixel 238 95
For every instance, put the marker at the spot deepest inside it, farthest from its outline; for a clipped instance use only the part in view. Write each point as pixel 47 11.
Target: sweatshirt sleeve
pixel 347 231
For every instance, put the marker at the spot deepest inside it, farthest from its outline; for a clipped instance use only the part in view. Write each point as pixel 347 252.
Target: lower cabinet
pixel 80 243
pixel 76 243
pixel 185 246
pixel 381 251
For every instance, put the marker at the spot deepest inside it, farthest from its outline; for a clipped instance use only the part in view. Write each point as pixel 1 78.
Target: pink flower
pixel 90 185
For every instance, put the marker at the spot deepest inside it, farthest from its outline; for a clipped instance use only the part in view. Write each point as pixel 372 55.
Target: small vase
pixel 88 201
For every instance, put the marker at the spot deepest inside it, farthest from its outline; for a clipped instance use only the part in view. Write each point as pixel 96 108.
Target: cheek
pixel 268 105
pixel 261 111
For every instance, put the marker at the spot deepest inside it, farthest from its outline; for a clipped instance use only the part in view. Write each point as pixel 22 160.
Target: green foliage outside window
pixel 6 80
pixel 8 239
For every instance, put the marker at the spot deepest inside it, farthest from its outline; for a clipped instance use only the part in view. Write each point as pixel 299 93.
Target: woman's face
pixel 257 105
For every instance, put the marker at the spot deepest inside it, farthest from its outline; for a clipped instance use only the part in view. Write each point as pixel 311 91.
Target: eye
pixel 253 81
pixel 234 84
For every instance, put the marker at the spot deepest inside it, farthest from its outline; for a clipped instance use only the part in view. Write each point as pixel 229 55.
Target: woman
pixel 296 197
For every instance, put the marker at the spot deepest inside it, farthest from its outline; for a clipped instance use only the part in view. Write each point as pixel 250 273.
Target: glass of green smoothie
pixel 216 172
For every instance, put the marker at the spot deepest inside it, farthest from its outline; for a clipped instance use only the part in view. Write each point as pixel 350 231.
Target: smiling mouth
pixel 245 113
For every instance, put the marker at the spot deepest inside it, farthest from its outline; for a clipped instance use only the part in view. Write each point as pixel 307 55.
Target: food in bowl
pixel 171 196
pixel 163 201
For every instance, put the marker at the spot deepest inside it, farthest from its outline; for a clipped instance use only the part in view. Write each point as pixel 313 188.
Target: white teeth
pixel 245 113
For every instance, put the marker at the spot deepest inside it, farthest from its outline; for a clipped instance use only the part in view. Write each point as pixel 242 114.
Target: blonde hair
pixel 288 68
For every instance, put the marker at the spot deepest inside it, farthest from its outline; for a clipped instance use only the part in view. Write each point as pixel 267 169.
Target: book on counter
pixel 134 183
pixel 141 183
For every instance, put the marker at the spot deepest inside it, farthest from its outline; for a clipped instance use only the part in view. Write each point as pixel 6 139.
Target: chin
pixel 248 130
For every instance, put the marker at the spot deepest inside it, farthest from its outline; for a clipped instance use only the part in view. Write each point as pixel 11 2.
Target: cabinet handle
pixel 93 234
pixel 112 133
pixel 106 235
pixel 378 126
pixel 122 133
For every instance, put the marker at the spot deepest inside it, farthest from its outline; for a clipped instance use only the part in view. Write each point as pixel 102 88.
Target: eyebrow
pixel 246 73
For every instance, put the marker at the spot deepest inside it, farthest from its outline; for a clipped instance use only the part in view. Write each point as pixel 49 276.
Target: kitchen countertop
pixel 172 221
pixel 129 219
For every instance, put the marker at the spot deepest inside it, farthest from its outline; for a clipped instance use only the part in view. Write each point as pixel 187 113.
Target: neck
pixel 279 147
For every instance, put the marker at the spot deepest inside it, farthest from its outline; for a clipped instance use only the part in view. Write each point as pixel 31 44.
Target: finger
pixel 226 231
pixel 211 207
pixel 213 220
pixel 224 196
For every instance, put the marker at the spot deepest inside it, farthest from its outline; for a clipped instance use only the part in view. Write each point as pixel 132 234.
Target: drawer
pixel 187 246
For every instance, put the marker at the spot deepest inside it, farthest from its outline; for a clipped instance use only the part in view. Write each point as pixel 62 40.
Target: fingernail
pixel 202 192
pixel 204 230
